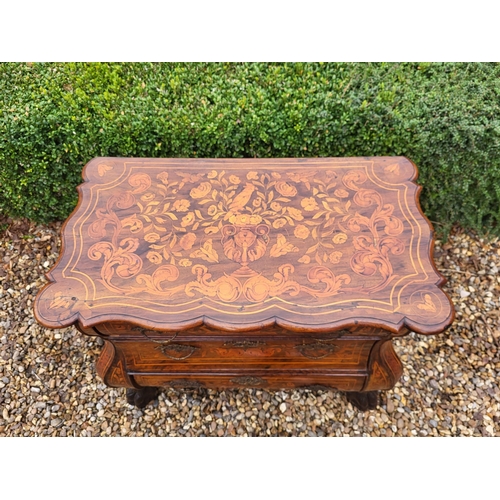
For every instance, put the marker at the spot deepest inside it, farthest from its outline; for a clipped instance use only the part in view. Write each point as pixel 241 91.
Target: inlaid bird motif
pixel 241 199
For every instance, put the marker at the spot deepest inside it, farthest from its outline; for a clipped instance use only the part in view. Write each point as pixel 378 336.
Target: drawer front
pixel 292 379
pixel 341 355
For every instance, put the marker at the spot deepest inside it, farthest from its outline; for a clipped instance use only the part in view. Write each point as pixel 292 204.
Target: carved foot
pixel 141 397
pixel 364 400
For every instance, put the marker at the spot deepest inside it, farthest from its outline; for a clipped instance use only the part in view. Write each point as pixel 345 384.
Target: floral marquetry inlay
pixel 251 240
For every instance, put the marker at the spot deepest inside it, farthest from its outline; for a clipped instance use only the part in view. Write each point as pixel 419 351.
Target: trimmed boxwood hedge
pixel 445 117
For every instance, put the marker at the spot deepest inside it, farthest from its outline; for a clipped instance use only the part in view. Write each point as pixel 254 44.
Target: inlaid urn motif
pixel 245 240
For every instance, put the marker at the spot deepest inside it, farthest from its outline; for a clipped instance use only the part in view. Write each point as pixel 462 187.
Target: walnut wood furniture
pixel 230 273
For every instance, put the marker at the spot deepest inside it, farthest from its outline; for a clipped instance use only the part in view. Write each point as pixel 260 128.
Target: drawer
pixel 290 379
pixel 254 353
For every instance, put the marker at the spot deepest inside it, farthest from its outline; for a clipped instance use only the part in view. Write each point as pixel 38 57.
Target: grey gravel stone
pixel 49 386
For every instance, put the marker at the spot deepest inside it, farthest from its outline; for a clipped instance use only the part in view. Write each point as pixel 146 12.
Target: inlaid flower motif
pixel 301 232
pixel 148 197
pixel 302 176
pixel 200 191
pixel 276 206
pixel 339 238
pixel 335 257
pixel 252 176
pixel 341 193
pixel 163 176
pixel 212 174
pixel 185 263
pixel 257 202
pixel 244 219
pixel 275 175
pixel 152 237
pixel 212 210
pixel 234 179
pixel 309 204
pixel 188 219
pixel 285 189
pixel 188 178
pixel 187 241
pixel 295 213
pixel 305 259
pixel 181 205
pixel 154 257
pixel 279 223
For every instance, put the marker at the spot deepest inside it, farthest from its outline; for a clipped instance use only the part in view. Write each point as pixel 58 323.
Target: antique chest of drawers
pixel 263 273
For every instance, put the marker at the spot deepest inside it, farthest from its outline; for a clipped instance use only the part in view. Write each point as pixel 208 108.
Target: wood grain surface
pixel 310 245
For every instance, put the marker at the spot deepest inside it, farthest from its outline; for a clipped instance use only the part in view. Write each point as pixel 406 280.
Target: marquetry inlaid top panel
pixel 310 244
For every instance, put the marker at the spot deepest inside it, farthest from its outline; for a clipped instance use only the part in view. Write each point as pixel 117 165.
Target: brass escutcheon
pixel 177 351
pixel 249 381
pixel 244 344
pixel 318 350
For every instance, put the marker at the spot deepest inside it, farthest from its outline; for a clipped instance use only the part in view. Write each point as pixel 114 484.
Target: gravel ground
pixel 48 384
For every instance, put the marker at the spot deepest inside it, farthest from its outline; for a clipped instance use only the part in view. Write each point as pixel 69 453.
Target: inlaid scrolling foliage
pixel 183 223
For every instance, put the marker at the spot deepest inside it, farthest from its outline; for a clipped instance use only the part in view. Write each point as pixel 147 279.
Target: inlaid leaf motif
pixel 156 282
pixel 60 300
pixel 133 223
pixel 428 304
pixel 312 249
pixel 206 252
pixel 103 168
pixel 394 168
pixel 282 247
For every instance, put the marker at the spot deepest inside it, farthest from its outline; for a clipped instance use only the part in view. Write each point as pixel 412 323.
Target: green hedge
pixel 445 117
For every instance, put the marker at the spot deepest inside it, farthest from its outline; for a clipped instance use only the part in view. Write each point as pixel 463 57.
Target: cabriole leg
pixel 141 397
pixel 364 400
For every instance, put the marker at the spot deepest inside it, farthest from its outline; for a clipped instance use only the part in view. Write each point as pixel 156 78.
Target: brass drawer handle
pixel 318 350
pixel 177 351
pixel 244 344
pixel 249 381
